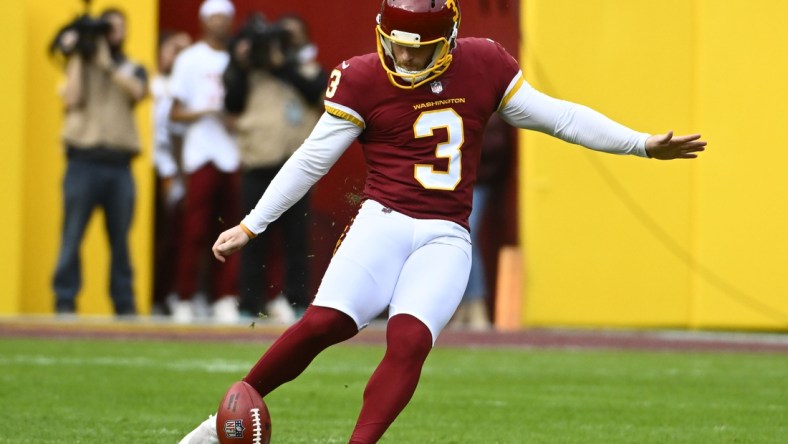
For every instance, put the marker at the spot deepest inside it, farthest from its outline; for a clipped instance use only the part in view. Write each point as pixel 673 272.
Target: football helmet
pixel 414 23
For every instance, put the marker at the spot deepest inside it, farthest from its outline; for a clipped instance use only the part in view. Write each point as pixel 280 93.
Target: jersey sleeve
pixel 528 108
pixel 504 70
pixel 343 97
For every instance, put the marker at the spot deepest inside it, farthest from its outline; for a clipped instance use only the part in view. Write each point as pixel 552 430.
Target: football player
pixel 418 107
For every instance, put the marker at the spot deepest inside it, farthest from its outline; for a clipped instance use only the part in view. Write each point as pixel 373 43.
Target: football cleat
pixel 205 433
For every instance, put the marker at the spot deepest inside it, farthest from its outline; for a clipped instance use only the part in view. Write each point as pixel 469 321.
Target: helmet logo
pixel 452 5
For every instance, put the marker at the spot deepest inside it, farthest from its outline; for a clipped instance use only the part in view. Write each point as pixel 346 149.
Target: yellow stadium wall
pixel 37 164
pixel 622 241
pixel 608 241
pixel 12 87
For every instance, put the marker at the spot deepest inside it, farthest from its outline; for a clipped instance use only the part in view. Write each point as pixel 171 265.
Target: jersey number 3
pixel 424 126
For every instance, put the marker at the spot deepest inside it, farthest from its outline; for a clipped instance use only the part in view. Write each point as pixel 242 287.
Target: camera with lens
pixel 87 30
pixel 264 37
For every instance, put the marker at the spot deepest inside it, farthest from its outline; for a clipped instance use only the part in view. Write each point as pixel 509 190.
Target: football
pixel 243 417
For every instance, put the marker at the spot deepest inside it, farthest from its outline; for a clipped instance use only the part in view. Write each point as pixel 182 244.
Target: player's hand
pixel 666 147
pixel 229 242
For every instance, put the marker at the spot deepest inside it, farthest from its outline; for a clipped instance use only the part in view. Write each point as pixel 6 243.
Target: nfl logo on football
pixel 234 428
pixel 437 87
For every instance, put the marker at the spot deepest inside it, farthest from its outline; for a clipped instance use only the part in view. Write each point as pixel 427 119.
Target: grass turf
pixel 95 391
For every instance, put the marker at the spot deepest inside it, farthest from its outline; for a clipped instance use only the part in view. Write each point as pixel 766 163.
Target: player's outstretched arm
pixel 667 147
pixel 229 242
pixel 528 108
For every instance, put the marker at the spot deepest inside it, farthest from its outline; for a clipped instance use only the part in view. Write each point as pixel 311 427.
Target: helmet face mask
pixel 415 23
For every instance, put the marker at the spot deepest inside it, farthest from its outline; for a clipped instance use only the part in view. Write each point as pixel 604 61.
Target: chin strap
pixel 413 76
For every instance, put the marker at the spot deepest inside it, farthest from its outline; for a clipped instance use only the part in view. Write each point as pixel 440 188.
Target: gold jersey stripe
pixel 512 92
pixel 343 115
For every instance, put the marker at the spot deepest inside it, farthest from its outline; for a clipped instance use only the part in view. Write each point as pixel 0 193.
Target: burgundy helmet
pixel 415 23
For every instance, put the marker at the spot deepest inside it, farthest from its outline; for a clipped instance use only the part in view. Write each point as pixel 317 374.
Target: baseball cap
pixel 211 7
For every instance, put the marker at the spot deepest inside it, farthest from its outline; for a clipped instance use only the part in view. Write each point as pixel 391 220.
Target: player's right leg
pixel 288 357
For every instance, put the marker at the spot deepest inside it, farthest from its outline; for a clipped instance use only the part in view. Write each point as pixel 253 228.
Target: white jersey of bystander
pixel 196 82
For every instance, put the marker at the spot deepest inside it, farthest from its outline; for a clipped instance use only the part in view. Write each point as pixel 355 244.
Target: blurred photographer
pixel 274 89
pixel 101 89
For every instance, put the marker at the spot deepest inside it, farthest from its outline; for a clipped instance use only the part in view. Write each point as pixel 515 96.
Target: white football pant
pixel 387 259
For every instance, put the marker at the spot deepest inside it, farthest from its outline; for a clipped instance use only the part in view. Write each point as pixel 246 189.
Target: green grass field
pixel 96 391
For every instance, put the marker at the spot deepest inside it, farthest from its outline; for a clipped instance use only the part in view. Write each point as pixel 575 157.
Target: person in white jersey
pixel 210 161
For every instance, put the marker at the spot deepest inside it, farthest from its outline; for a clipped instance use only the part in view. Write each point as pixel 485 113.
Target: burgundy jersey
pixel 422 146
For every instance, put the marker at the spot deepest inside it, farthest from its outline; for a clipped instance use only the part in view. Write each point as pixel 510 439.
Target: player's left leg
pixel 429 290
pixel 408 342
